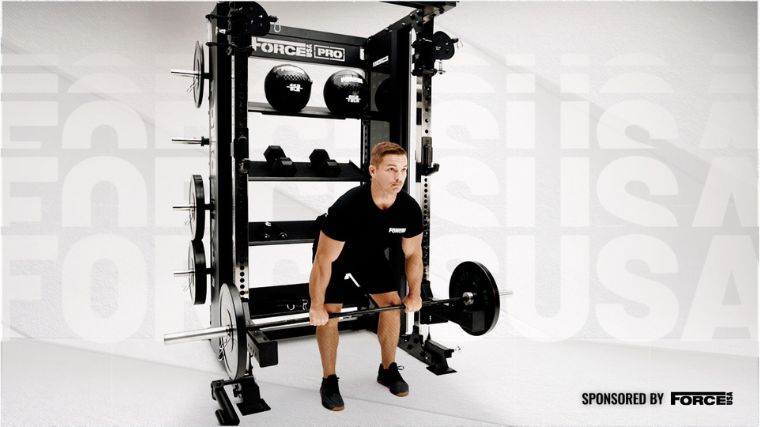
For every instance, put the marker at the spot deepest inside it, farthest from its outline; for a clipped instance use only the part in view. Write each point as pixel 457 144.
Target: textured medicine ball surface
pixel 287 88
pixel 346 93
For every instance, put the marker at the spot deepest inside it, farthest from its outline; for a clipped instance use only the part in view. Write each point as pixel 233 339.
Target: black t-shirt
pixel 367 230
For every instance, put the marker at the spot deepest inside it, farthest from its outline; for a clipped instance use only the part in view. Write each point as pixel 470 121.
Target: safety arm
pixel 412 248
pixel 328 251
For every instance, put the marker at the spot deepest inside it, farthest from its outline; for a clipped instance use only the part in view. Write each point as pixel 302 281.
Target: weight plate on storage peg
pixel 198 68
pixel 233 351
pixel 196 263
pixel 474 277
pixel 197 201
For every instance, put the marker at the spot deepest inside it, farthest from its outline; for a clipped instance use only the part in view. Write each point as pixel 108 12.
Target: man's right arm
pixel 328 251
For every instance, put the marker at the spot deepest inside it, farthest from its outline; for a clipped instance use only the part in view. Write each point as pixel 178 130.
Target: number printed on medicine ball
pixel 346 93
pixel 287 88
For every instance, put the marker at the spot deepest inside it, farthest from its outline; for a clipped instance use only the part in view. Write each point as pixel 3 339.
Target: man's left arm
pixel 412 248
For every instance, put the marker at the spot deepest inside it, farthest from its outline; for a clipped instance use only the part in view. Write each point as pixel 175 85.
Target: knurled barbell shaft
pixel 297 320
pixel 218 332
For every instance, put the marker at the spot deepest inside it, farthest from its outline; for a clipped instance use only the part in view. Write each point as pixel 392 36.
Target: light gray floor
pixel 500 381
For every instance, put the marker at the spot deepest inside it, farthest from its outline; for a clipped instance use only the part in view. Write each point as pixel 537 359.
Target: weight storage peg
pixel 191 141
pixel 279 164
pixel 196 272
pixel 322 164
pixel 196 207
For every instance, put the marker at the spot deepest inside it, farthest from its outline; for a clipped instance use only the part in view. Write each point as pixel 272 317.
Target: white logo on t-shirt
pixel 396 230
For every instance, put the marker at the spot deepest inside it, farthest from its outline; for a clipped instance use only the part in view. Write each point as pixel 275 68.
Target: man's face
pixel 390 174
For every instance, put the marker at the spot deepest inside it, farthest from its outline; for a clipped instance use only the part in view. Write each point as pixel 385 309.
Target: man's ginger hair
pixel 383 149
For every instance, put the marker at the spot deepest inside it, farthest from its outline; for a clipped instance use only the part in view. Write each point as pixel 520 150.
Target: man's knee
pixel 386 299
pixel 332 308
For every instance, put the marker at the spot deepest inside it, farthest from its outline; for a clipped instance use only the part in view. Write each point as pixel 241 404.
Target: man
pixel 356 236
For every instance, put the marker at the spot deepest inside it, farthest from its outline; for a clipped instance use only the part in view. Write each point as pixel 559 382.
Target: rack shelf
pixel 313 112
pixel 297 231
pixel 259 171
pixel 268 301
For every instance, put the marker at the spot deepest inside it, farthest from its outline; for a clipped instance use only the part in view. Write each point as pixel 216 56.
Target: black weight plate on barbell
pixel 198 67
pixel 197 282
pixel 470 276
pixel 197 199
pixel 234 347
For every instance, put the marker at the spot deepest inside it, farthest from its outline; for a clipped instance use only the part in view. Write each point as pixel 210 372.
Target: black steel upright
pixel 220 167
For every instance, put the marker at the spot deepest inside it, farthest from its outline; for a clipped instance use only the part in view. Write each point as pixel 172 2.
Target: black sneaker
pixel 392 379
pixel 331 394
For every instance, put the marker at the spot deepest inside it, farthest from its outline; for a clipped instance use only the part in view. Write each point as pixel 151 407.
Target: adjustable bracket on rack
pixel 426 167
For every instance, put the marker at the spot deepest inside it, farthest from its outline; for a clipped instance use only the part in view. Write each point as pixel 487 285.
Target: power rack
pixel 405 52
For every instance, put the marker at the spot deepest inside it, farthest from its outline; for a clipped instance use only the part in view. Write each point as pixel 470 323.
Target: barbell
pixel 473 296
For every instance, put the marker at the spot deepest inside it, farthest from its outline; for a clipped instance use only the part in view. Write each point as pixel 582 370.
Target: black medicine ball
pixel 287 88
pixel 346 93
pixel 383 96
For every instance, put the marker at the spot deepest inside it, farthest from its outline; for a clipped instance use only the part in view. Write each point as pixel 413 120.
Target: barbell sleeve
pixel 200 334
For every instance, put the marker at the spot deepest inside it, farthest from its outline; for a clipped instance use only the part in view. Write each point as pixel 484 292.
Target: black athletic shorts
pixel 373 277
